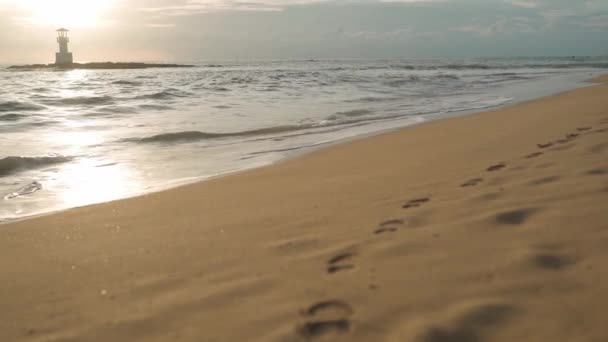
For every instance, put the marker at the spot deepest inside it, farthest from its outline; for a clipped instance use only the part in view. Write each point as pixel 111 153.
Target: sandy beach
pixel 487 227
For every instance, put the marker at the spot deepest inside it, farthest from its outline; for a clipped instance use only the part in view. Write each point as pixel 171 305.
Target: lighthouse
pixel 63 57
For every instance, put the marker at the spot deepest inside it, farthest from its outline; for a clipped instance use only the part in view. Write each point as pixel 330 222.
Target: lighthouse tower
pixel 63 57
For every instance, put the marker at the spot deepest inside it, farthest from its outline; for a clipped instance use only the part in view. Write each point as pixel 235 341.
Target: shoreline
pixel 571 86
pixel 488 226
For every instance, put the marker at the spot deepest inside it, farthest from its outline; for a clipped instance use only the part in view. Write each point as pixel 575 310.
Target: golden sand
pixel 488 227
pixel 601 79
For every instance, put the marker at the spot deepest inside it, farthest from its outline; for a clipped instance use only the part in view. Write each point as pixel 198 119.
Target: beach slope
pixel 488 227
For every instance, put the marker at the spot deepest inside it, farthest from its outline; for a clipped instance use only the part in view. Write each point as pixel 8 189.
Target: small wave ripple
pixel 11 117
pixel 125 82
pixel 164 95
pixel 15 106
pixel 86 100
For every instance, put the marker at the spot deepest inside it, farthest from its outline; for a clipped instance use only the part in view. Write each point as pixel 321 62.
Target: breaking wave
pixel 335 120
pixel 14 164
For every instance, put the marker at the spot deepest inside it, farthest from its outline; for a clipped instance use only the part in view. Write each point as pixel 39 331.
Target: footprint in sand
pixel 545 165
pixel 599 148
pixel 552 262
pixel 471 182
pixel 514 217
pixel 471 323
pixel 597 172
pixel 572 136
pixel 496 167
pixel 544 145
pixel 325 318
pixel 416 202
pixel 534 155
pixel 340 262
pixel 389 226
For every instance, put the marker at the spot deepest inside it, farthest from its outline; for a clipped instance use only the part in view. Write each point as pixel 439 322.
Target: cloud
pixel 160 25
pixel 392 35
pixel 192 7
pixel 216 29
pixel 502 26
pixel 599 21
pixel 522 3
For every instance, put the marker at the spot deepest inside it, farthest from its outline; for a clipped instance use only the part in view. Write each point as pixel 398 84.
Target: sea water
pixel 72 138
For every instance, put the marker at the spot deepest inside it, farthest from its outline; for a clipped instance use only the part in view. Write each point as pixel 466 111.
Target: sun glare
pixel 65 13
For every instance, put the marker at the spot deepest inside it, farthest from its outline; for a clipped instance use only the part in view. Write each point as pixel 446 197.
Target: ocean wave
pixel 219 89
pixel 123 82
pixel 11 117
pixel 164 95
pixel 398 82
pixel 154 107
pixel 479 66
pixel 122 109
pixel 504 74
pixel 401 66
pixel 349 114
pixel 15 106
pixel 570 65
pixel 14 164
pixel 339 119
pixel 447 77
pixel 85 100
pixel 242 80
pixel 188 136
pixel 367 99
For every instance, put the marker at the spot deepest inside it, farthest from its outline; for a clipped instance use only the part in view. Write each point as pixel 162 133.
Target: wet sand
pixel 488 227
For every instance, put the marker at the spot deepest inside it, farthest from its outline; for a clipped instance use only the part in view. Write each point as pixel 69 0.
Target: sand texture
pixel 488 227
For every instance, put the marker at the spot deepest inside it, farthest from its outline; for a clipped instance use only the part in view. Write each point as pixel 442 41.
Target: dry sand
pixel 404 236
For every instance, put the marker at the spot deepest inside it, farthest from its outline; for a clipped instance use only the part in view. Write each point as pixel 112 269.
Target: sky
pixel 193 30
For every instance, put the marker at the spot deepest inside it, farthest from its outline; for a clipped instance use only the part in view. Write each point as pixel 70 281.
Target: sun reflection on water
pixel 85 181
